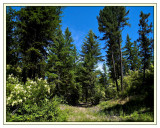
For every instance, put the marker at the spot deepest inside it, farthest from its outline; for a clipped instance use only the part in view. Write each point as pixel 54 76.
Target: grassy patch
pixel 129 109
pixel 83 114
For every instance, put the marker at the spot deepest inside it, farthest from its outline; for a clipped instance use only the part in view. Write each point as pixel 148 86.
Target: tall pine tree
pixel 61 67
pixel 136 60
pixel 111 22
pixel 90 56
pixel 128 53
pixel 145 42
pixel 55 63
pixel 12 47
pixel 71 89
pixel 35 28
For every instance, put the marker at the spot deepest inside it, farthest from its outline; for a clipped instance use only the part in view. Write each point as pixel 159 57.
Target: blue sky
pixel 80 20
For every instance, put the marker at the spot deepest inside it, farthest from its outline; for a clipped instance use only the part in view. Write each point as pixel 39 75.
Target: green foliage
pixel 128 54
pixel 12 45
pixel 32 91
pixel 136 57
pixel 103 78
pixel 111 21
pixel 15 92
pixel 16 71
pixel 61 66
pixel 45 71
pixel 134 85
pixel 31 102
pixel 35 28
pixel 38 90
pixel 110 90
pixel 131 109
pixel 48 111
pixel 99 94
pixel 90 56
pixel 145 42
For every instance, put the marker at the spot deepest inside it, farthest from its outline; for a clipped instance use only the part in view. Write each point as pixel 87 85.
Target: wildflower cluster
pixel 33 91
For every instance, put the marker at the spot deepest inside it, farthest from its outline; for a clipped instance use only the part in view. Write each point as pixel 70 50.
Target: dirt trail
pixel 83 113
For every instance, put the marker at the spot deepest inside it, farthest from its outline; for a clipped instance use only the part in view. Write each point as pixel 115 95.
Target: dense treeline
pixel 44 67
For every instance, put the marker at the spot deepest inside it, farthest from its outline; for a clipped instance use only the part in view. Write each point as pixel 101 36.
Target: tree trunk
pixel 115 77
pixel 144 69
pixel 121 66
pixel 144 74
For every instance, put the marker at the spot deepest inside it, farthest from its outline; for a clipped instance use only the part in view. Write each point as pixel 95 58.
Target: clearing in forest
pixel 83 113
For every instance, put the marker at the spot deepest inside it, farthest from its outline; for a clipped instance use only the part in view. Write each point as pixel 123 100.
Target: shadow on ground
pixel 84 105
pixel 139 105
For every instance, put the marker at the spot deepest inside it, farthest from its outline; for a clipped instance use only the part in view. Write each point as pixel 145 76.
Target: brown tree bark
pixel 121 66
pixel 114 68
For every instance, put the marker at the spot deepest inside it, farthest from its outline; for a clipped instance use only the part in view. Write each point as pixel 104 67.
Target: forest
pixel 48 80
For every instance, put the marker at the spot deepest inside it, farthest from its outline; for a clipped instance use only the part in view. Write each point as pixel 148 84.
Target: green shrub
pixel 134 85
pixel 47 111
pixel 16 71
pixel 15 92
pixel 99 94
pixel 34 91
pixel 111 90
pixel 37 90
pixel 31 102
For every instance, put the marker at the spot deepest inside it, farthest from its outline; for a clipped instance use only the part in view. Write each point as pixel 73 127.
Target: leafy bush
pixel 48 111
pixel 34 91
pixel 31 102
pixel 111 90
pixel 16 71
pixel 15 91
pixel 99 94
pixel 134 85
pixel 37 90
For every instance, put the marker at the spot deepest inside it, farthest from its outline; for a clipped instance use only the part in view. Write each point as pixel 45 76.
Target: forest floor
pixel 83 113
pixel 119 110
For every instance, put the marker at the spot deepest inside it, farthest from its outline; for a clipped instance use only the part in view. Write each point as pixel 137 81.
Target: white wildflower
pixel 14 102
pixel 20 100
pixel 11 95
pixel 49 90
pixel 8 98
pixel 45 81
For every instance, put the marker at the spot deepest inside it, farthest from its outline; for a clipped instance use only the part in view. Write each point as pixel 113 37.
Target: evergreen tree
pixel 136 60
pixel 125 66
pixel 11 42
pixel 131 56
pixel 104 74
pixel 61 66
pixel 55 63
pixel 71 90
pixel 111 22
pixel 152 50
pixel 35 28
pixel 128 53
pixel 90 56
pixel 145 41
